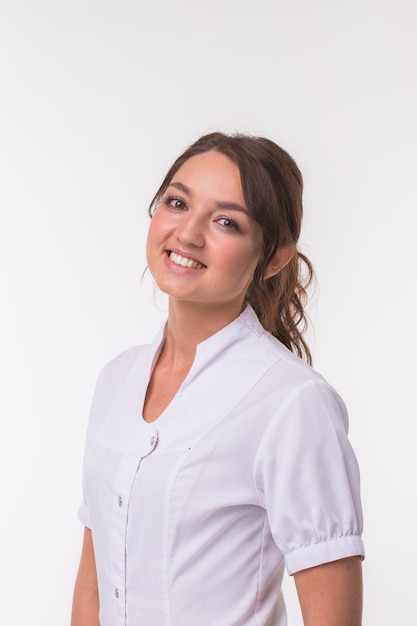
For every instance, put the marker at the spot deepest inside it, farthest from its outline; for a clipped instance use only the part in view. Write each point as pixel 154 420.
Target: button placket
pixel 122 485
pixel 153 440
pixel 129 467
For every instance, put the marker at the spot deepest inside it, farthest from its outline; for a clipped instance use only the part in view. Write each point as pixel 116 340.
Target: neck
pixel 191 323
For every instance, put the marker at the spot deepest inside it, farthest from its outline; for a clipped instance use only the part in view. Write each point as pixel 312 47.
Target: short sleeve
pixel 84 514
pixel 308 479
pixel 93 425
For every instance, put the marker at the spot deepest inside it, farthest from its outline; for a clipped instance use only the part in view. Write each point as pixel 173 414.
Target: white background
pixel 97 99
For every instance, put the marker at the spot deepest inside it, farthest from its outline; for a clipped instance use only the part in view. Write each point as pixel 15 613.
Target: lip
pixel 181 268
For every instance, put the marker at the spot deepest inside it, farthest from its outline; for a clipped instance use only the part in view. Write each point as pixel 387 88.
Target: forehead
pixel 212 173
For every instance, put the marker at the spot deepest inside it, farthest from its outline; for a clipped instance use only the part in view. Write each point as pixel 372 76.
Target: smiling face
pixel 203 245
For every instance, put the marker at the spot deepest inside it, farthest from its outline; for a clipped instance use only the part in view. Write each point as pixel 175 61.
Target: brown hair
pixel 272 187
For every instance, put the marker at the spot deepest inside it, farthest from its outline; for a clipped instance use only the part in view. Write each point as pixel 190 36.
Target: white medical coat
pixel 247 471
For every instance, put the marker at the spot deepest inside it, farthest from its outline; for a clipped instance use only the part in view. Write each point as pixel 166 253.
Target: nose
pixel 190 231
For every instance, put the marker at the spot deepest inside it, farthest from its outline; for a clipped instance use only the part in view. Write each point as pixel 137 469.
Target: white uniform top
pixel 249 468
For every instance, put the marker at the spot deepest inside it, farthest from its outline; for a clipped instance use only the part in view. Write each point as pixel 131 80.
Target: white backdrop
pixel 97 98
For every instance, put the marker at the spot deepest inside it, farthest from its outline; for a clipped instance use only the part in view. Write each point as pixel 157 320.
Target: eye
pixel 174 202
pixel 228 223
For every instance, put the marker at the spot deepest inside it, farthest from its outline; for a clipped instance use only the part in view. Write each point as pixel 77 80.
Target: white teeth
pixel 184 262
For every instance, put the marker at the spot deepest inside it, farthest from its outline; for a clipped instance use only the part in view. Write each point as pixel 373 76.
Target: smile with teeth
pixel 184 262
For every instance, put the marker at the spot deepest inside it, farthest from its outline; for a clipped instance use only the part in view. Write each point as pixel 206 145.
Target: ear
pixel 281 258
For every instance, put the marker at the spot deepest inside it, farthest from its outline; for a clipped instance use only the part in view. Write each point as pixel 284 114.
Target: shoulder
pixel 289 384
pixel 110 381
pixel 115 372
pixel 260 344
pixel 122 363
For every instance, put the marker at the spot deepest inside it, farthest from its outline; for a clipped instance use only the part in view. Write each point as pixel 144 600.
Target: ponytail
pixel 279 303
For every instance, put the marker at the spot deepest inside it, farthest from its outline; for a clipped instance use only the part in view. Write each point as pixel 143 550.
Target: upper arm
pixel 331 594
pixel 85 606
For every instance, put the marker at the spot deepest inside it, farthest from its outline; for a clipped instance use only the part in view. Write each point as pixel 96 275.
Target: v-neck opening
pixel 206 350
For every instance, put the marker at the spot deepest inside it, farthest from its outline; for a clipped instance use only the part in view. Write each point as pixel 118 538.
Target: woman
pixel 215 457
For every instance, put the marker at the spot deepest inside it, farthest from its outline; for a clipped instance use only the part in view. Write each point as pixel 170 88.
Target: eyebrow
pixel 181 187
pixel 229 206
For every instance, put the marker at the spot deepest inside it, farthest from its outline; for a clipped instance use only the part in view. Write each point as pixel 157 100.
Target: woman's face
pixel 203 245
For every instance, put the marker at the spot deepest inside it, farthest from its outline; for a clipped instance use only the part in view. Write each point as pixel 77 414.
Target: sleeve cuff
pixel 84 515
pixel 324 552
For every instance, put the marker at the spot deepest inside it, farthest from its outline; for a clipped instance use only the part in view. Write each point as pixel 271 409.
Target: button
pixel 116 592
pixel 153 440
pixel 120 501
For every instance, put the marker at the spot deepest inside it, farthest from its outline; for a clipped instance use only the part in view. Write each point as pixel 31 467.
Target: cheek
pixel 148 243
pixel 241 263
pixel 156 231
pixel 151 242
